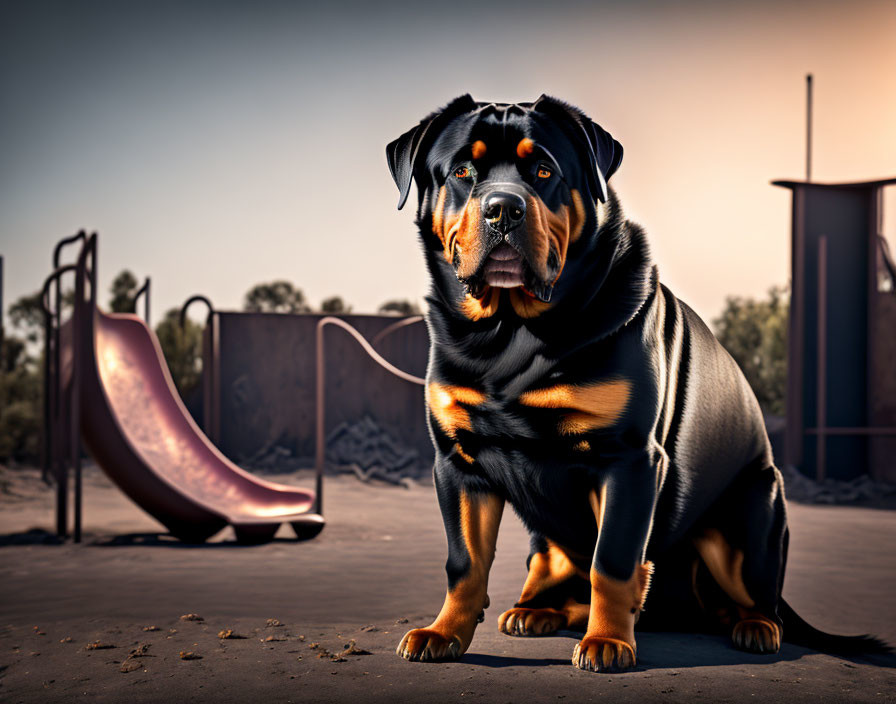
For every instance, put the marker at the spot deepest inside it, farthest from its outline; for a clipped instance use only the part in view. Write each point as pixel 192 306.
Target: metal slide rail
pixel 144 291
pixel 320 404
pixel 211 387
pixel 62 431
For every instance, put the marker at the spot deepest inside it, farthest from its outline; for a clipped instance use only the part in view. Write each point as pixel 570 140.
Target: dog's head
pixel 506 190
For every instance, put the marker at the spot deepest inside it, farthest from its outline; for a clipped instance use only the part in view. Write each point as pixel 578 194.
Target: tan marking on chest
pixel 478 308
pixel 445 401
pixel 526 305
pixel 591 406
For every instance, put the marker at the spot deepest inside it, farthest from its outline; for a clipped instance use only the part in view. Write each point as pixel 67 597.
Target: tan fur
pixel 444 403
pixel 725 564
pixel 450 634
pixel 478 149
pixel 593 406
pixel 756 632
pixel 526 305
pixel 525 148
pixel 478 308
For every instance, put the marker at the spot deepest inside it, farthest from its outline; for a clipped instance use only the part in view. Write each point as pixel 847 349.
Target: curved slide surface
pixel 138 430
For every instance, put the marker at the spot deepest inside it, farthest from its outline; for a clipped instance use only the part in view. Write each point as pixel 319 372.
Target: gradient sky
pixel 217 145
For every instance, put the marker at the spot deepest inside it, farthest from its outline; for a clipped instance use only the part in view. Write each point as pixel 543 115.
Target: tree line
pixel 753 332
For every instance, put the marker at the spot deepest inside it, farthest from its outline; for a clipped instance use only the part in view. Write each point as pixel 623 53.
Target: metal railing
pixel 320 442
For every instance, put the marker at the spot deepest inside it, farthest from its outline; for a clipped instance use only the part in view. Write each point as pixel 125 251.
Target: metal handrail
pixel 55 424
pixel 211 422
pixel 57 250
pixel 397 325
pixel 45 289
pixel 320 439
pixel 143 291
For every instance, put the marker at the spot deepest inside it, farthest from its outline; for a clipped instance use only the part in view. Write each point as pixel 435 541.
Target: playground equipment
pixel 841 384
pixel 108 382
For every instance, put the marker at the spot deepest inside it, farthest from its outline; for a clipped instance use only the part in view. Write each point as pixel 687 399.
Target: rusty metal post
pixel 821 360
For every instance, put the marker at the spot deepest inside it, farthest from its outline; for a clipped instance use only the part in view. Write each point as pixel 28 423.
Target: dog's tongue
pixel 504 267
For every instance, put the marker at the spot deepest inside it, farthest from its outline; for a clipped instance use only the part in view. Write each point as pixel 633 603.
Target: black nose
pixel 503 211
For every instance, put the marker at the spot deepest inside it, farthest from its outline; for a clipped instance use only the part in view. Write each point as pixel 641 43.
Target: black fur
pixel 688 452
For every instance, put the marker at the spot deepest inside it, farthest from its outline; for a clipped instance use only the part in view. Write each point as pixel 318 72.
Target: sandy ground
pixel 376 571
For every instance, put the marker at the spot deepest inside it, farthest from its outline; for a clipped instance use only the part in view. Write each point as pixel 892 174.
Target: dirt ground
pixel 376 571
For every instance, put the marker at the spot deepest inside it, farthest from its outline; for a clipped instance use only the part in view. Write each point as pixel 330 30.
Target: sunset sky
pixel 216 145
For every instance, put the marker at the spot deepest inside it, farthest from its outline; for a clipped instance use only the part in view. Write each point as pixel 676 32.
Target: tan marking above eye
pixel 592 406
pixel 478 149
pixel 525 148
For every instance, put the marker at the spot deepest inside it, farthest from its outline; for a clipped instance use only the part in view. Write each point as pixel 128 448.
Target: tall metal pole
pixel 808 127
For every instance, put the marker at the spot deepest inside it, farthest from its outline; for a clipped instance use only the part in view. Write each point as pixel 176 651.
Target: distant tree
pixel 123 289
pixel 275 297
pixel 334 305
pixel 20 403
pixel 182 348
pixel 27 316
pixel 755 334
pixel 399 307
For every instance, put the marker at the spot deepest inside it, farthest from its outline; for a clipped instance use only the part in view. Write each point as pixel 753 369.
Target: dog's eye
pixel 544 172
pixel 462 172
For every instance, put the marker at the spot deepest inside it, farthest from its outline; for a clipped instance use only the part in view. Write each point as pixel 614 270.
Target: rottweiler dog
pixel 565 379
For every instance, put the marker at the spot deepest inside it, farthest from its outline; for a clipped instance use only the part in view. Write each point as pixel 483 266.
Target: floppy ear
pixel 406 152
pixel 604 152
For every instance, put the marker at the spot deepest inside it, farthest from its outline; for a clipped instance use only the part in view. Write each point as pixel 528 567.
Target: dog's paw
pixel 600 654
pixel 530 622
pixel 426 645
pixel 757 635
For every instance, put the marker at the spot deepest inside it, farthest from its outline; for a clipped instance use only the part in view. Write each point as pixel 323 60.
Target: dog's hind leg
pixel 556 594
pixel 743 543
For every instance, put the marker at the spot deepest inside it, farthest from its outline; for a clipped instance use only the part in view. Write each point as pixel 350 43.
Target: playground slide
pixel 140 433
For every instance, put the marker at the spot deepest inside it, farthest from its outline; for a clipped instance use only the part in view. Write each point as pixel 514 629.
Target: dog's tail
pixel 798 632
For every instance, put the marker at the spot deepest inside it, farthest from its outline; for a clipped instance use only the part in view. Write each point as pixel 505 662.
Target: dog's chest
pixel 530 407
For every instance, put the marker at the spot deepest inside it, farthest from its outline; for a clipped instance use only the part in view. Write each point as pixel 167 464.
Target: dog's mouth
pixel 505 267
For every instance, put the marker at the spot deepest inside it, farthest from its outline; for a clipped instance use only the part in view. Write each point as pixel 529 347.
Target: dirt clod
pixel 191 617
pixel 189 655
pixel 228 634
pixel 98 645
pixel 129 665
pixel 351 648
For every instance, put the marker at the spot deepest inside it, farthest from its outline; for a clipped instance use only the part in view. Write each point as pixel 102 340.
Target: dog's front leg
pixel 471 521
pixel 623 505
